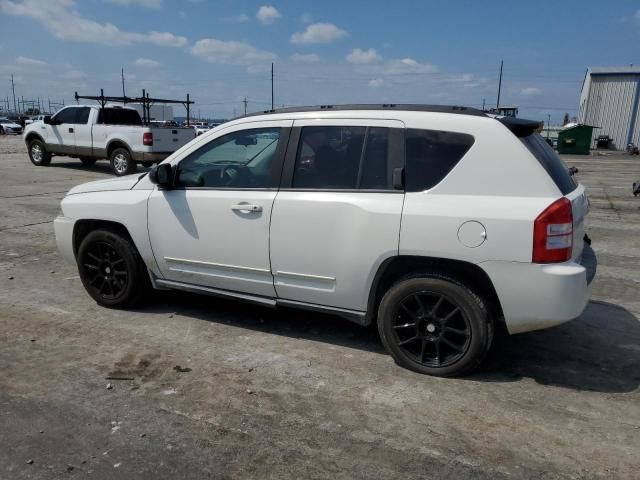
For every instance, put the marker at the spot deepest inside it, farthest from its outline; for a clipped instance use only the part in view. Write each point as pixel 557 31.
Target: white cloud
pixel 63 22
pixel 406 66
pixel 531 91
pixel 140 3
pixel 318 33
pixel 636 16
pixel 267 14
pixel 30 62
pixel 241 18
pixel 240 53
pixel 146 62
pixel 305 57
pixel 306 18
pixel 359 56
pixel 376 82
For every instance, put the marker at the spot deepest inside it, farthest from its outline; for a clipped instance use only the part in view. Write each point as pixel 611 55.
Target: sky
pixel 324 52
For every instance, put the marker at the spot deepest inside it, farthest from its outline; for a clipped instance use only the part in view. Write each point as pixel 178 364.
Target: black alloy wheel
pixel 111 269
pixel 431 328
pixel 434 325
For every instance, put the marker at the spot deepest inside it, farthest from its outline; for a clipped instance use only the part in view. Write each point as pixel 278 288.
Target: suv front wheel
pixel 434 325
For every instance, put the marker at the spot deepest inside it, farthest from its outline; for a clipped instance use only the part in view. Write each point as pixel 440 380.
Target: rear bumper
pixel 150 157
pixel 63 227
pixel 534 296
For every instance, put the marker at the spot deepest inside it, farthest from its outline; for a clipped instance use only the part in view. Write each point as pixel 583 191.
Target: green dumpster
pixel 575 140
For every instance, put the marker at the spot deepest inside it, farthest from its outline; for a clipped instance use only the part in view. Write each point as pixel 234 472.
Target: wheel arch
pixel 82 228
pixel 33 136
pixel 396 268
pixel 117 143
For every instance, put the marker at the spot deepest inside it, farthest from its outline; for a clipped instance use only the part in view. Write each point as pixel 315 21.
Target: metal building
pixel 609 100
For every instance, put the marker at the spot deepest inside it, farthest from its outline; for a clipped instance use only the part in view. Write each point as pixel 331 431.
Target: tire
pixel 147 164
pixel 434 325
pixel 111 270
pixel 121 162
pixel 88 161
pixel 1 131
pixel 38 153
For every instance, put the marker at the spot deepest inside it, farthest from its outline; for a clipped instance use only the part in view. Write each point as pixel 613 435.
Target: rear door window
pixel 431 155
pixel 82 115
pixel 342 158
pixel 119 116
pixel 551 162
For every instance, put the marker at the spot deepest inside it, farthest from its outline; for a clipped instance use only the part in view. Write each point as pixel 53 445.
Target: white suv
pixel 439 223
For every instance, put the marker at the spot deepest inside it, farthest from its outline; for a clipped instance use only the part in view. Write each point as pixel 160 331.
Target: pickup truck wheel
pixel 121 162
pixel 111 269
pixel 88 161
pixel 434 325
pixel 38 153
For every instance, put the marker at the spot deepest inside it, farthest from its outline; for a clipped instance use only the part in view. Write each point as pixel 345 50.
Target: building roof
pixel 628 70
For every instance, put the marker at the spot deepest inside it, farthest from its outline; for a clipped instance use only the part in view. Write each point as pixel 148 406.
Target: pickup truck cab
pixel 91 132
pixel 438 223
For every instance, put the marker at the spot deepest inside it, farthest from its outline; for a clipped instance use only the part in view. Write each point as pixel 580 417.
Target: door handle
pixel 246 207
pixel 70 129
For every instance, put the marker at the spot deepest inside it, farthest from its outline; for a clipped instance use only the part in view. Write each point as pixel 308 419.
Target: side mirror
pixel 47 120
pixel 162 175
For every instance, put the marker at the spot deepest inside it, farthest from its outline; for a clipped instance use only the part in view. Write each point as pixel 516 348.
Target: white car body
pixel 93 138
pixel 325 249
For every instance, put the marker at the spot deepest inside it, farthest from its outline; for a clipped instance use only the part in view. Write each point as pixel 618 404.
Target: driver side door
pixel 212 228
pixel 61 137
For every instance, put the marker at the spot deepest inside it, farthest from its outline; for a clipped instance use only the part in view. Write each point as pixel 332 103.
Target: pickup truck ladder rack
pixel 145 100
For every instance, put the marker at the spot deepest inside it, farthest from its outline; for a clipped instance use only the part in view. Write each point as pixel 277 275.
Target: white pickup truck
pixel 91 132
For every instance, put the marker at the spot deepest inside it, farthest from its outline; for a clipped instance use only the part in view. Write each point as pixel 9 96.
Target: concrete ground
pixel 207 388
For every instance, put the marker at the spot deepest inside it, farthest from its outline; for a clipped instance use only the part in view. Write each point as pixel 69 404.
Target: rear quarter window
pixel 431 155
pixel 550 161
pixel 119 116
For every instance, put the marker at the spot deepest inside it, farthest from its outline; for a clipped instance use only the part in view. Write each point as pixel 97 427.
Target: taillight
pixel 553 233
pixel 147 138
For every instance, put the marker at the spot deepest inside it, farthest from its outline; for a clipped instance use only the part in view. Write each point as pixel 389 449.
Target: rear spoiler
pixel 521 127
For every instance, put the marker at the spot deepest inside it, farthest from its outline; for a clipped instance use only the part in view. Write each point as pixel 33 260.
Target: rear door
pixel 336 217
pixel 82 131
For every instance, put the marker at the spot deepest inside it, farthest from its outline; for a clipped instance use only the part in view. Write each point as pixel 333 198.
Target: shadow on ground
pixel 600 351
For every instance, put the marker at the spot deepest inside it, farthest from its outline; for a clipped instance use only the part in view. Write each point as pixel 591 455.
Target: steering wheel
pixel 228 175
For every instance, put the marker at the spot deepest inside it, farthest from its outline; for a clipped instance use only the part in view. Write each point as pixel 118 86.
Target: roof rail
pixel 458 109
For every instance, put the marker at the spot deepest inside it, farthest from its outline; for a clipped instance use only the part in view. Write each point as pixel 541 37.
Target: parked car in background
pixel 200 129
pixel 89 132
pixel 414 217
pixel 9 127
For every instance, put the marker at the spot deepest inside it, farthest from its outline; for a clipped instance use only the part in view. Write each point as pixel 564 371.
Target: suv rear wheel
pixel 38 153
pixel 434 325
pixel 111 269
pixel 121 162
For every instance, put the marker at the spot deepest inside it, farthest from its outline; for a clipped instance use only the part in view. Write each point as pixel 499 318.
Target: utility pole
pixel 548 124
pixel 13 89
pixel 483 104
pixel 122 74
pixel 271 85
pixel 245 105
pixel 499 86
